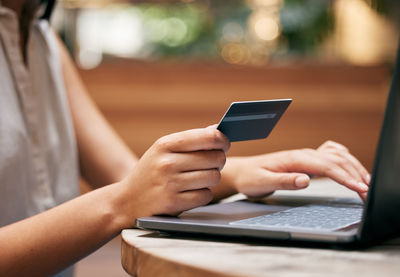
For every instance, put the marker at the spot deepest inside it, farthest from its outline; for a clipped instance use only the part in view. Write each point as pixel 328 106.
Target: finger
pixel 179 202
pixel 341 176
pixel 351 164
pixel 366 177
pixel 333 145
pixel 363 196
pixel 344 152
pixel 341 160
pixel 316 163
pixel 195 140
pixel 214 126
pixel 288 181
pixel 194 198
pixel 201 160
pixel 195 180
pixel 268 182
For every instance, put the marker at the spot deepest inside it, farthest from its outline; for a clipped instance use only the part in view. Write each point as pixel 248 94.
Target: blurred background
pixel 238 32
pixel 157 67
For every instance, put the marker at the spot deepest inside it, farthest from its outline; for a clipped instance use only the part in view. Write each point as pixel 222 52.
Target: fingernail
pixel 368 178
pixel 363 187
pixel 302 181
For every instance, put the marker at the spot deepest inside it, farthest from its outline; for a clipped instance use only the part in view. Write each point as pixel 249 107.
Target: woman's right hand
pixel 176 173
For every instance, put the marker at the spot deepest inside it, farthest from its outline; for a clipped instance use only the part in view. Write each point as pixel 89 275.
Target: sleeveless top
pixel 38 153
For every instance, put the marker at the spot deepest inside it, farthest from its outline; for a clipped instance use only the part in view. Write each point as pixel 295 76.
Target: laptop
pixel 312 219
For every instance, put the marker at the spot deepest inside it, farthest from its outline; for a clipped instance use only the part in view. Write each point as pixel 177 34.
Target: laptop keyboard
pixel 310 217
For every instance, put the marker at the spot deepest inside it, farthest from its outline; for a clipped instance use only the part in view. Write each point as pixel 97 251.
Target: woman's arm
pixel 46 243
pixel 104 157
pixel 175 174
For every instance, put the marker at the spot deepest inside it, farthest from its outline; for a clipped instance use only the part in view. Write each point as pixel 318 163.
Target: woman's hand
pixel 258 176
pixel 176 173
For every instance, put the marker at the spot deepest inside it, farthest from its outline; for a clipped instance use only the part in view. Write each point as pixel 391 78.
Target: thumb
pixel 288 181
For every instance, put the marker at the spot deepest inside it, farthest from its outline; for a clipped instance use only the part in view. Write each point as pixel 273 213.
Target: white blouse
pixel 38 153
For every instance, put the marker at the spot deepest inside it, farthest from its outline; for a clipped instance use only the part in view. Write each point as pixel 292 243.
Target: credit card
pixel 252 119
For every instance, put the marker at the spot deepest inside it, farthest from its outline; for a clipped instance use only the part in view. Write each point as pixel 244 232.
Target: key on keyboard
pixel 310 217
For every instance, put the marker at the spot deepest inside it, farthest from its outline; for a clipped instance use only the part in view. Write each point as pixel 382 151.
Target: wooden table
pixel 146 253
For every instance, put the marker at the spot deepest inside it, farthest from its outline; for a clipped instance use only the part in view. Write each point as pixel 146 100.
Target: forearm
pixel 104 158
pixel 46 243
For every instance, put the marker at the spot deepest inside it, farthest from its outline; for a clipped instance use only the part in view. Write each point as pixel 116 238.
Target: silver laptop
pixel 339 221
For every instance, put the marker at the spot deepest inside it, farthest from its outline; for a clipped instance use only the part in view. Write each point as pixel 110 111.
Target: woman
pixel 51 133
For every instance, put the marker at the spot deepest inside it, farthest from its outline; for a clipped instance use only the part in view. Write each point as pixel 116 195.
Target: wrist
pixel 232 171
pixel 122 205
pixel 229 176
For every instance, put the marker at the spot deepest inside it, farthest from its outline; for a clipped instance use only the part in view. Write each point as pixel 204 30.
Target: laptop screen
pixel 381 216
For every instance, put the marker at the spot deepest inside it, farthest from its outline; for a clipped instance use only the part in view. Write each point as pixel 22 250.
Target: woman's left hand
pixel 259 176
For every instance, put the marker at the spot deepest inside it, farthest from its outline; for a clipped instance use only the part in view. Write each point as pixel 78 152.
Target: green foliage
pixel 190 29
pixel 305 24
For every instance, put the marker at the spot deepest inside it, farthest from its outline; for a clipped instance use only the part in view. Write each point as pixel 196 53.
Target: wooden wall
pixel 337 102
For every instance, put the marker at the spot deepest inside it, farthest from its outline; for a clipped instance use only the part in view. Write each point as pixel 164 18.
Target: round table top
pixel 147 253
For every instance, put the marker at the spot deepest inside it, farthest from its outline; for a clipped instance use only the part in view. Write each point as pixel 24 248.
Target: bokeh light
pixel 242 32
pixel 235 53
pixel 232 32
pixel 266 28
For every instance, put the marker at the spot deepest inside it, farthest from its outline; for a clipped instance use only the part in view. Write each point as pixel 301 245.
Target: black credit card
pixel 252 119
